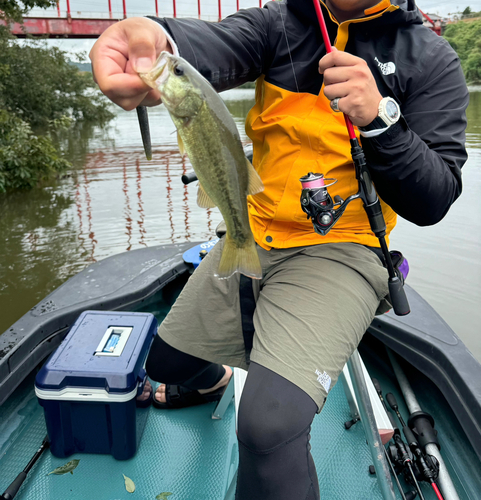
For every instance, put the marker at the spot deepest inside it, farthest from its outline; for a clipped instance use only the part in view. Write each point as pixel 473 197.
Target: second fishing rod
pixel 427 464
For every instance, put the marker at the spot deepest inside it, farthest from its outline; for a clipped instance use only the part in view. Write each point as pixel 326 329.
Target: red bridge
pixel 78 24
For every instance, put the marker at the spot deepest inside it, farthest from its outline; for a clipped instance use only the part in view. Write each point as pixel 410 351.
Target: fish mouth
pixel 159 73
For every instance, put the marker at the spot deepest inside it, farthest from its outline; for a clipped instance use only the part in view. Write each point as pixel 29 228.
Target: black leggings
pixel 274 424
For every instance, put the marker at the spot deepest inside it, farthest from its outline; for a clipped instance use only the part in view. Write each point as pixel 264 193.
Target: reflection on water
pixel 115 200
pixel 473 132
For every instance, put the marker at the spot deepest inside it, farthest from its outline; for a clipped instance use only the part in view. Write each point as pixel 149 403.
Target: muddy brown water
pixel 114 200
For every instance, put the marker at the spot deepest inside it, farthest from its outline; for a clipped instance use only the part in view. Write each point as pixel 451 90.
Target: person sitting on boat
pixel 294 330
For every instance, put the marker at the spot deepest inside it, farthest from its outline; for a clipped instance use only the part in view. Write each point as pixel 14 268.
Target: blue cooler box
pixel 88 386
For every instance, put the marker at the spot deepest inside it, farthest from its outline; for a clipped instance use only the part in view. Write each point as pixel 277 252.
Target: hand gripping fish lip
pixel 159 73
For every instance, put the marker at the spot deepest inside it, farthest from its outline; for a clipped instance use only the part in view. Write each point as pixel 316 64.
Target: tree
pixel 40 92
pixel 25 158
pixel 465 38
pixel 40 85
pixel 12 10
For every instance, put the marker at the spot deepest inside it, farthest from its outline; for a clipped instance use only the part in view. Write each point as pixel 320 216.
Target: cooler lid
pixel 104 350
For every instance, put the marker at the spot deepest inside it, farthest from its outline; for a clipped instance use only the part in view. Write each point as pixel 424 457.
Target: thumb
pixel 142 51
pixel 334 49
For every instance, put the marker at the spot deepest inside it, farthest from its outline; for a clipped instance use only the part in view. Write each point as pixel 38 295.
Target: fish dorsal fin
pixel 255 182
pixel 203 199
pixel 181 144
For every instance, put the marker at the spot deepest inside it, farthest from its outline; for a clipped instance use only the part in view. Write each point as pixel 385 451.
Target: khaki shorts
pixel 312 308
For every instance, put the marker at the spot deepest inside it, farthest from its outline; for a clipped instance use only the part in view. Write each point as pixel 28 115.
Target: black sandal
pixel 180 397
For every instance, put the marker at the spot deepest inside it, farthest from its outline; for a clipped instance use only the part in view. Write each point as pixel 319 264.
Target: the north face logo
pixel 386 68
pixel 324 380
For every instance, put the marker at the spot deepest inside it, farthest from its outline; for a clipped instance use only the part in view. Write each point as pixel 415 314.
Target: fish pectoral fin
pixel 255 183
pixel 203 199
pixel 181 144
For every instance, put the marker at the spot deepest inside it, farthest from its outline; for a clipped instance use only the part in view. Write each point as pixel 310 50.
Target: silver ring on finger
pixel 335 104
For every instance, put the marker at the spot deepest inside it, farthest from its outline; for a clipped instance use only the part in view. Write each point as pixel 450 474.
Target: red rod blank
pixel 327 43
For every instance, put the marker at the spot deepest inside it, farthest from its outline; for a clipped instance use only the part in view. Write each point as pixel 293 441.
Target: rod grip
pixel 12 490
pixel 398 297
pixel 391 400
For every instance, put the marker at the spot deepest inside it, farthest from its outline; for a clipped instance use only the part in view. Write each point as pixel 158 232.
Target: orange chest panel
pixel 293 134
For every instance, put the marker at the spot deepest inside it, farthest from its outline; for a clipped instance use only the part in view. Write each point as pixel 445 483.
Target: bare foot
pixel 146 392
pixel 160 392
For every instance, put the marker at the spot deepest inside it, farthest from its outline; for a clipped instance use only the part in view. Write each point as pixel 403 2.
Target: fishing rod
pixel 317 203
pixel 400 454
pixel 428 466
pixel 422 424
pixel 12 490
pixel 410 495
pixel 398 440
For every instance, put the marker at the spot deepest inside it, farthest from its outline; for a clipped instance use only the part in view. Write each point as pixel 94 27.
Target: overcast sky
pixel 208 9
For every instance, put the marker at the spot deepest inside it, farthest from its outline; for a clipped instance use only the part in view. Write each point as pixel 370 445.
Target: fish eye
pixel 178 70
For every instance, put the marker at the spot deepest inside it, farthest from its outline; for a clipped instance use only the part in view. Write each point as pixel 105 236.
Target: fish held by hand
pixel 209 135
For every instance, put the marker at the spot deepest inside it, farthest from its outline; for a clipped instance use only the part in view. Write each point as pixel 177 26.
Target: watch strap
pixel 374 132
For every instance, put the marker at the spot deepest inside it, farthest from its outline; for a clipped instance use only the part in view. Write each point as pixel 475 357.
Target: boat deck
pixel 183 452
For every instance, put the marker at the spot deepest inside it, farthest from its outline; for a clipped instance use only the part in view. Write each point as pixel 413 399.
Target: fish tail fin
pixel 242 260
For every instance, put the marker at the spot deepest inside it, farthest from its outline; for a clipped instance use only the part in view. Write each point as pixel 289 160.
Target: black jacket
pixel 416 164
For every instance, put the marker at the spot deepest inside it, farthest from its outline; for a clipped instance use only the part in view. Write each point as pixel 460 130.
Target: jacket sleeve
pixel 416 164
pixel 228 53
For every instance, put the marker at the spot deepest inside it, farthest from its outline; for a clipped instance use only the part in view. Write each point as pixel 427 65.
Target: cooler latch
pixel 113 341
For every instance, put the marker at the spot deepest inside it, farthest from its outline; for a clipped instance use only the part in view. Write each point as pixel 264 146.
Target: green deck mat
pixel 183 452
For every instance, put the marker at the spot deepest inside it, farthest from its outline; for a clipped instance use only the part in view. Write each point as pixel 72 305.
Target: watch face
pixel 392 110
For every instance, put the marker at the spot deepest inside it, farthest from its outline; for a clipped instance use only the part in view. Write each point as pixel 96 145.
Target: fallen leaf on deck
pixel 64 469
pixel 129 484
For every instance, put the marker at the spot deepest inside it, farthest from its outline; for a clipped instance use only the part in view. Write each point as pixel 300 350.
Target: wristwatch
pixel 388 115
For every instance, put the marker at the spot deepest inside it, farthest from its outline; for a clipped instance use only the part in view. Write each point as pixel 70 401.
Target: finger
pixel 123 85
pixel 336 90
pixel 142 50
pixel 338 58
pixel 337 75
pixel 152 99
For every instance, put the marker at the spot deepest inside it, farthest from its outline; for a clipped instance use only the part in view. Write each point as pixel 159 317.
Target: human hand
pixel 349 78
pixel 123 50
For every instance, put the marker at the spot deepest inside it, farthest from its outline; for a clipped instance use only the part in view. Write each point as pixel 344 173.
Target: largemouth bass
pixel 208 133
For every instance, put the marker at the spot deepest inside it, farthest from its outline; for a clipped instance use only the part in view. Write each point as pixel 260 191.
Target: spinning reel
pixel 317 203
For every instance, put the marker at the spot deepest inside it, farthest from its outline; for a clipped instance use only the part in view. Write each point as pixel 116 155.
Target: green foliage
pixel 65 469
pixel 465 38
pixel 25 158
pixel 14 10
pixel 40 93
pixel 39 84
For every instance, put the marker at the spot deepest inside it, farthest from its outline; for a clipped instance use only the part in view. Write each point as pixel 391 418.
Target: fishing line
pixel 288 48
pixel 293 67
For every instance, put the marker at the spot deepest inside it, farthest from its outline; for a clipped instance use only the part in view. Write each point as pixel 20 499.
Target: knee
pixel 262 430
